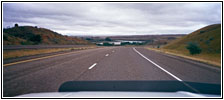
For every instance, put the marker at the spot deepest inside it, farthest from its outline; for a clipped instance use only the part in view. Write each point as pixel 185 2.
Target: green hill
pixel 28 35
pixel 207 38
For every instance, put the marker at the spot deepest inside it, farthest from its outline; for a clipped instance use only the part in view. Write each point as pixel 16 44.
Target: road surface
pixel 101 64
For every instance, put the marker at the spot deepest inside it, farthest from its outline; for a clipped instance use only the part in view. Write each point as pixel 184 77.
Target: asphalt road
pixel 102 64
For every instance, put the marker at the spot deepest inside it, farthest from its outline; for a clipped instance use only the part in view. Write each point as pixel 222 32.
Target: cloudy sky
pixel 113 18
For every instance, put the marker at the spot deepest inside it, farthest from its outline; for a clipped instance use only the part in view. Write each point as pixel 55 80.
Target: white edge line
pixel 158 66
pixel 167 72
pixel 92 66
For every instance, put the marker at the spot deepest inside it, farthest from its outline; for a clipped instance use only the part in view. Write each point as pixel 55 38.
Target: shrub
pixel 193 48
pixel 35 38
pixel 211 38
pixel 107 44
pixel 207 42
pixel 202 32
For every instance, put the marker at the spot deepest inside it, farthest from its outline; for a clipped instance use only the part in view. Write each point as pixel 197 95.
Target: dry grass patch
pixel 28 52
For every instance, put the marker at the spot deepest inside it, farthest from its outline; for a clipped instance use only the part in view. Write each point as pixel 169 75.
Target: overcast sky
pixel 113 18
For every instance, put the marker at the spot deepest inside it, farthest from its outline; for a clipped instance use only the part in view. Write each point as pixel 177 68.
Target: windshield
pixel 156 47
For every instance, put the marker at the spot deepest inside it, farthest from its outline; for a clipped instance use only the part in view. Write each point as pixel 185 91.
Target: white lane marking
pixel 113 51
pixel 107 55
pixel 92 66
pixel 158 65
pixel 167 72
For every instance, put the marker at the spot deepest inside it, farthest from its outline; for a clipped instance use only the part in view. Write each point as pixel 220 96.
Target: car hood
pixel 101 94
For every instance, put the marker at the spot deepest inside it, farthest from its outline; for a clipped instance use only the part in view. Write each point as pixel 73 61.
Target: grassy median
pixel 28 52
pixel 212 59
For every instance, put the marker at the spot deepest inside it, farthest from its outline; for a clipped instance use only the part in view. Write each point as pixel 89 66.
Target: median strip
pixel 29 60
pixel 92 66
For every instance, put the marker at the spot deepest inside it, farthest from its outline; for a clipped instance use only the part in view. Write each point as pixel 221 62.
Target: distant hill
pixel 208 38
pixel 149 39
pixel 28 35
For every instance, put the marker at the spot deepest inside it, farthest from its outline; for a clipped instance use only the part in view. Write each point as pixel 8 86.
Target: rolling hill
pixel 207 38
pixel 28 35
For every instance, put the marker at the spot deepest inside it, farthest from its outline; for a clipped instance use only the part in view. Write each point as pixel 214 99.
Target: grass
pixel 208 39
pixel 28 52
pixel 212 59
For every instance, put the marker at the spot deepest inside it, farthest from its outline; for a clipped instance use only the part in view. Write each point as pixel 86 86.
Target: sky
pixel 96 19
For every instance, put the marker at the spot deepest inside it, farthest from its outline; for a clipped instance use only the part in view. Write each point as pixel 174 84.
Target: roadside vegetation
pixel 32 35
pixel 29 52
pixel 202 45
pixel 29 35
pixel 193 48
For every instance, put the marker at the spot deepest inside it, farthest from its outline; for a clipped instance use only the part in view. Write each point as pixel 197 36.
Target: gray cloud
pixel 113 18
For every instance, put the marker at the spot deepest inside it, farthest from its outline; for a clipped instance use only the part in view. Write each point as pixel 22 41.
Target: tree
pixel 125 43
pixel 89 39
pixel 108 44
pixel 16 25
pixel 108 39
pixel 193 48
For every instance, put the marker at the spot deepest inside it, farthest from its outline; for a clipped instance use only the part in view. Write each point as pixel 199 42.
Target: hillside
pixel 28 35
pixel 208 39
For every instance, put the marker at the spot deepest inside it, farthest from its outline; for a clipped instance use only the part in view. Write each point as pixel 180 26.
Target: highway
pixel 101 64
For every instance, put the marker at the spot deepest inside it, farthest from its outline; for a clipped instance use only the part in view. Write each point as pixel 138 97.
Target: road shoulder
pixel 187 59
